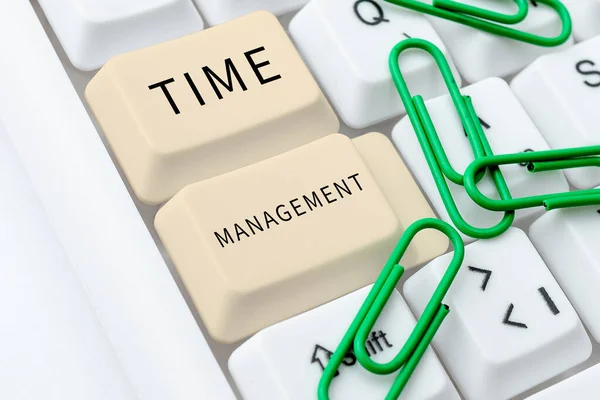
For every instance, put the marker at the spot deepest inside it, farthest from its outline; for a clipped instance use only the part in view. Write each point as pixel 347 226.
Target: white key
pixel 218 11
pixel 508 129
pixel 568 242
pixel 510 326
pixel 583 386
pixel 142 312
pixel 586 17
pixel 479 55
pixel 346 43
pixel 286 360
pixel 561 93
pixel 92 31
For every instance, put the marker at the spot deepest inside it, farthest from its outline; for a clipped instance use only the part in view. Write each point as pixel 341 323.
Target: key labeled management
pixel 285 212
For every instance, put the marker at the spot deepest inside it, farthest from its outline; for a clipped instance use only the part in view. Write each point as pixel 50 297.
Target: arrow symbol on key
pixel 486 272
pixel 316 357
pixel 507 320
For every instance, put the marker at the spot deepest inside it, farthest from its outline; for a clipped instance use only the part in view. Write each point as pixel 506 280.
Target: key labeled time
pixel 207 103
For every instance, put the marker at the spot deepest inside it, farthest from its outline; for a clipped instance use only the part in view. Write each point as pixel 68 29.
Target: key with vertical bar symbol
pixel 507 315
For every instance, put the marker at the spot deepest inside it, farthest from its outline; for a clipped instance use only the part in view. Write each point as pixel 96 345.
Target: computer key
pixel 286 360
pixel 261 244
pixel 208 103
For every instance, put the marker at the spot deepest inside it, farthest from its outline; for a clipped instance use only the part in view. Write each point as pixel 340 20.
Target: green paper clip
pixel 482 13
pixel 482 19
pixel 433 315
pixel 537 161
pixel 432 147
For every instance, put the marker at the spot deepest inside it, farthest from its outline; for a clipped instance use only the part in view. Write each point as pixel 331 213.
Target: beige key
pixel 277 238
pixel 207 103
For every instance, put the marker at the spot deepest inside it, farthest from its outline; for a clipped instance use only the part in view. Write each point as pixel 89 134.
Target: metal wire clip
pixel 434 153
pixel 409 356
pixel 487 21
pixel 537 161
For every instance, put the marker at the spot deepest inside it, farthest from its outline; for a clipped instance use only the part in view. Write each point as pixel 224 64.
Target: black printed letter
pixel 256 67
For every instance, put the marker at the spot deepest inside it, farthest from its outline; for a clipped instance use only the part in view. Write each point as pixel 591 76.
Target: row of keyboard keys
pixel 208 103
pixel 346 43
pixel 561 93
pixel 355 36
pixel 508 129
pixel 507 315
pixel 303 228
pixel 510 325
pixel 93 31
pixel 286 360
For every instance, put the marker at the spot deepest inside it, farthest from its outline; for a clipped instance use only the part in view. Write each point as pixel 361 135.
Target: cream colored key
pixel 269 241
pixel 207 103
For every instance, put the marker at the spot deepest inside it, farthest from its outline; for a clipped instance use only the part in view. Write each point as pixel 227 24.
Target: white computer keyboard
pixel 182 218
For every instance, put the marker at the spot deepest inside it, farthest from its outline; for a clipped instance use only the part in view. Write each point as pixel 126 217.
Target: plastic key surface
pixel 583 386
pixel 585 15
pixel 286 360
pixel 206 104
pixel 269 241
pixel 479 55
pixel 561 93
pixel 568 242
pixel 508 315
pixel 346 43
pixel 508 130
pixel 93 31
pixel 220 11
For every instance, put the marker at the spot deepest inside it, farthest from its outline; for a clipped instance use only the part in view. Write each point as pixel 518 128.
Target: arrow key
pixel 510 325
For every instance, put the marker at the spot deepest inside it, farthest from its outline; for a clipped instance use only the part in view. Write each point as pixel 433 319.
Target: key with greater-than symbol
pixel 507 315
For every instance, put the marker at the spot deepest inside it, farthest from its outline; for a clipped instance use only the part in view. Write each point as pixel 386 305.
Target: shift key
pixel 269 241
